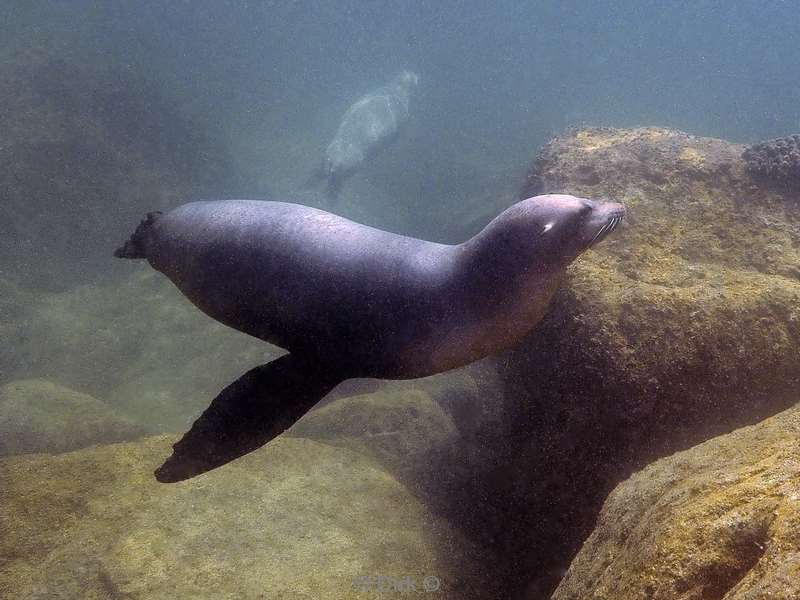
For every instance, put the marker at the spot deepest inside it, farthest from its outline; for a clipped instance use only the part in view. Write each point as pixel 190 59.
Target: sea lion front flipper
pixel 247 414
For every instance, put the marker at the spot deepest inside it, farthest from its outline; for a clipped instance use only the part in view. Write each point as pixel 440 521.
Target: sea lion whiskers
pixel 615 219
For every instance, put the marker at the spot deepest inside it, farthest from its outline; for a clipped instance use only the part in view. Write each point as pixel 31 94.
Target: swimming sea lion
pixel 347 300
pixel 368 126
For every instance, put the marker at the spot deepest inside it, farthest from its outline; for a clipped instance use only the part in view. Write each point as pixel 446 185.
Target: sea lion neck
pixel 495 298
pixel 494 263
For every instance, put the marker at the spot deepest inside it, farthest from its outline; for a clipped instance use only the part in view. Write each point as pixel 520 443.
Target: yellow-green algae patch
pixel 297 517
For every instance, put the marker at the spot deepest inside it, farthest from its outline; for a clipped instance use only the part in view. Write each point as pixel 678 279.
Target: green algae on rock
pixel 721 520
pixel 297 519
pixel 41 416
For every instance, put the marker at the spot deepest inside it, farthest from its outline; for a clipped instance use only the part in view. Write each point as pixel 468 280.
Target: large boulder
pixel 41 416
pixel 684 324
pixel 297 519
pixel 721 520
pixel 681 326
pixel 402 428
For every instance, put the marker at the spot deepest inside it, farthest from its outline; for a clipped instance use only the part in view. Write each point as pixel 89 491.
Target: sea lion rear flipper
pixel 136 246
pixel 333 188
pixel 247 414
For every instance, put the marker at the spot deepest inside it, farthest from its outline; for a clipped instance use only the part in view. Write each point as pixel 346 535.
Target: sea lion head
pixel 544 233
pixel 506 275
pixel 565 226
pixel 407 79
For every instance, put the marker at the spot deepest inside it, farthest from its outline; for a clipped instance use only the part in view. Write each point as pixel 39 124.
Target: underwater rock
pixel 404 429
pixel 467 395
pixel 430 433
pixel 297 519
pixel 41 416
pixel 683 326
pixel 775 162
pixel 719 520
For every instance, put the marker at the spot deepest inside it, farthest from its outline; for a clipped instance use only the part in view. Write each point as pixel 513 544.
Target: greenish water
pixel 111 110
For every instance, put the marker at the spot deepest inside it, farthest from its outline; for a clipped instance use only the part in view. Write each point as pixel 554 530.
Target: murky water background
pixel 110 110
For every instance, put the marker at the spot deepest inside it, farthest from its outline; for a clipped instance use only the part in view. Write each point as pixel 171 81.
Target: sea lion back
pixel 294 275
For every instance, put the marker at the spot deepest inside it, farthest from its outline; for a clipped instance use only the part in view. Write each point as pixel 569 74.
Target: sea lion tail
pixel 333 188
pixel 247 414
pixel 135 246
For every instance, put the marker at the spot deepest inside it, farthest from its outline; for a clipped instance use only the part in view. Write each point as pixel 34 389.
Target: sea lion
pixel 369 125
pixel 347 300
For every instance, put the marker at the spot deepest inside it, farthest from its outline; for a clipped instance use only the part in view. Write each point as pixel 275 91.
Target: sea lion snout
pixel 602 220
pixel 572 225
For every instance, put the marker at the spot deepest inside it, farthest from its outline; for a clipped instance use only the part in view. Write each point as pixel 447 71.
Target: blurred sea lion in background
pixel 370 124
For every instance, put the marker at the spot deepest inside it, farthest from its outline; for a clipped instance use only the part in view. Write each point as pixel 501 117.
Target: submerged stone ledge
pixel 683 326
pixel 721 520
pixel 299 519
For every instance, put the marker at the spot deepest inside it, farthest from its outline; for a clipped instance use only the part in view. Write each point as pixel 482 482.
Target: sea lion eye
pixel 585 209
pixel 547 227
